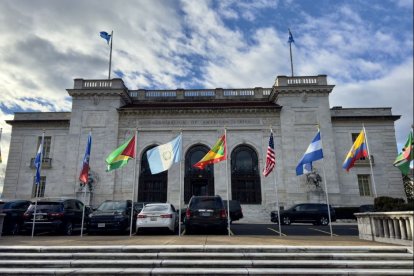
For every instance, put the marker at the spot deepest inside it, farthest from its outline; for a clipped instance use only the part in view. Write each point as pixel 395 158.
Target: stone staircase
pixel 205 260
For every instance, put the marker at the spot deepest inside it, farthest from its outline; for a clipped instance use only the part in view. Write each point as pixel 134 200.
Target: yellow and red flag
pixel 216 154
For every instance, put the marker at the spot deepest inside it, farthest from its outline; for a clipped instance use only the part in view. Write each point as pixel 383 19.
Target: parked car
pixel 236 211
pixel 14 210
pixel 366 208
pixel 157 215
pixel 205 212
pixel 112 216
pixel 62 215
pixel 315 213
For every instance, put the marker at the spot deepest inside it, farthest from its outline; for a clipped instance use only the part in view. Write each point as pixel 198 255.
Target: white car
pixel 158 215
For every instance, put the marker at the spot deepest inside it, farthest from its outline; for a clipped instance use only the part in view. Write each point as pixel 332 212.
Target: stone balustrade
pixel 389 227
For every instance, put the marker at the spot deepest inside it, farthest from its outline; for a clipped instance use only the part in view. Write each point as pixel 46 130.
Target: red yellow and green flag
pixel 406 156
pixel 215 155
pixel 120 157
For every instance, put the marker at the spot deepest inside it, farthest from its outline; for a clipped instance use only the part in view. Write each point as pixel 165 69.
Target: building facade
pixel 292 108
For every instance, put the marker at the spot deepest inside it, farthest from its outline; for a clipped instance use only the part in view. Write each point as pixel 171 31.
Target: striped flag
pixel 270 157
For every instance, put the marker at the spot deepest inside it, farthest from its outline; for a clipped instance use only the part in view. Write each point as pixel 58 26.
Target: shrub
pixel 388 204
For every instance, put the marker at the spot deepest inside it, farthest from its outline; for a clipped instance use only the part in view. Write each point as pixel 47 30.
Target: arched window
pixel 245 176
pixel 196 181
pixel 152 187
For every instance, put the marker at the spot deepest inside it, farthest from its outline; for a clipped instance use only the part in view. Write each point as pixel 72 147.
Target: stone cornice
pixel 175 111
pixel 370 117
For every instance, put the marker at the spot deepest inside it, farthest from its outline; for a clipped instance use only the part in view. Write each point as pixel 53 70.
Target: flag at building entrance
pixel 357 151
pixel 215 155
pixel 120 157
pixel 406 156
pixel 313 152
pixel 270 157
pixel 84 175
pixel 161 158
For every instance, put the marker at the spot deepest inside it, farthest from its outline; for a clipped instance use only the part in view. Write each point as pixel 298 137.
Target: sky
pixel 364 47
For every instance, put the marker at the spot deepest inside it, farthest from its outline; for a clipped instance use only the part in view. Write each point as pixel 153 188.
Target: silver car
pixel 157 216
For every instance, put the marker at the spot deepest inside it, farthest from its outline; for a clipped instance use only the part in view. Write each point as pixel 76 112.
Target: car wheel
pixel 324 221
pixel 286 220
pixel 68 229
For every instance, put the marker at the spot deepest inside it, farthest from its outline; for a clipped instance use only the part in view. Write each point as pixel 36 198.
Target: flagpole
pixel 326 188
pixel 38 184
pixel 277 197
pixel 84 188
pixel 291 59
pixel 227 182
pixel 134 182
pixel 110 56
pixel 179 205
pixel 370 163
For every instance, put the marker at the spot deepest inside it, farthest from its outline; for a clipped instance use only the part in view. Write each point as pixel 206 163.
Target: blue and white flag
pixel 38 163
pixel 313 153
pixel 105 36
pixel 161 158
pixel 290 40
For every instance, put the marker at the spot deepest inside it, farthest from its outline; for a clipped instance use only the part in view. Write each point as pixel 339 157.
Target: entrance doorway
pixel 197 182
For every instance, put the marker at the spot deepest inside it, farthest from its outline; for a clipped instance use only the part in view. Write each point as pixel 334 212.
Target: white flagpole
pixel 326 188
pixel 134 182
pixel 181 163
pixel 370 163
pixel 274 179
pixel 227 181
pixel 38 184
pixel 84 188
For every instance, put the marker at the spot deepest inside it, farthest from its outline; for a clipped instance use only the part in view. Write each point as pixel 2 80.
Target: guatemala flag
pixel 313 153
pixel 38 163
pixel 161 158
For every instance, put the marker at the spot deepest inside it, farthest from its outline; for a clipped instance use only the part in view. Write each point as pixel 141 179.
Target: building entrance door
pixel 197 182
pixel 200 187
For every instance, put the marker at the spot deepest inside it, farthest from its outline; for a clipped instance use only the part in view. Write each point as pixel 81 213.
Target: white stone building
pixel 292 108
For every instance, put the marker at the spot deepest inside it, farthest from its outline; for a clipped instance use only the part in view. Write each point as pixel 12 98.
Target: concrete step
pixel 202 271
pixel 206 260
pixel 223 263
pixel 206 255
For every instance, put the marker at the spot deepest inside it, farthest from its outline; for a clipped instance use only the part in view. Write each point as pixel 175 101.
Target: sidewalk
pixel 186 240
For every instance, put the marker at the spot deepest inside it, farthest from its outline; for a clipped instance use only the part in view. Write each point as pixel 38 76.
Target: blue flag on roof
pixel 313 153
pixel 105 36
pixel 290 37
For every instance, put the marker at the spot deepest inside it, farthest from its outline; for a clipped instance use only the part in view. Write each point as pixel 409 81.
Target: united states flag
pixel 270 157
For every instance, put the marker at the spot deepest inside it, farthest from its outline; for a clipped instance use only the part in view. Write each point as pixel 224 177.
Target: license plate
pixel 153 219
pixel 205 214
pixel 101 225
pixel 39 217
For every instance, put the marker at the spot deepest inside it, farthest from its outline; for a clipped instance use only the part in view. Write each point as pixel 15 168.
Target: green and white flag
pixel 406 156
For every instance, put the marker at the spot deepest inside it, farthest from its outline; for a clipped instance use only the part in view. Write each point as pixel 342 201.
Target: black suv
pixel 14 210
pixel 62 215
pixel 206 212
pixel 112 216
pixel 236 212
pixel 315 213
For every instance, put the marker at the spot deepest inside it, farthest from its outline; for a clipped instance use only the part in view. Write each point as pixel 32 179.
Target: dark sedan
pixel 112 216
pixel 14 210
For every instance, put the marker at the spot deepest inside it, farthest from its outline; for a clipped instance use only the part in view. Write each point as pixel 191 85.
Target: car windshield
pixel 46 206
pixel 207 203
pixel 155 208
pixel 112 205
pixel 13 205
